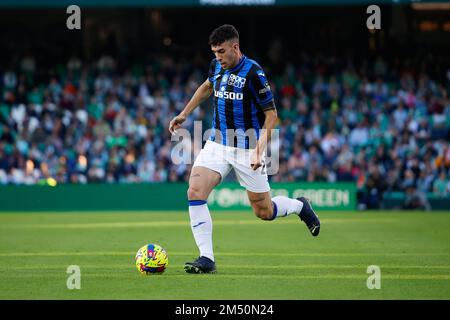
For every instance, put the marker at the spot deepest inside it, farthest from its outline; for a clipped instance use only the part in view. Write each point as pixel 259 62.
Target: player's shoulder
pixel 255 68
pixel 213 67
pixel 213 61
pixel 253 62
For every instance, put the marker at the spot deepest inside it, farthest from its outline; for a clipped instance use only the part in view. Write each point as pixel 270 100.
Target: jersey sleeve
pixel 212 70
pixel 260 89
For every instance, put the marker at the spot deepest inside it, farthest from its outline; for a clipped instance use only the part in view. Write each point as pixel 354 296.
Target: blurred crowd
pixel 384 125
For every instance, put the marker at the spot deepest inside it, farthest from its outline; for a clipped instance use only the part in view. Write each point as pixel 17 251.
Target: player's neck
pixel 239 57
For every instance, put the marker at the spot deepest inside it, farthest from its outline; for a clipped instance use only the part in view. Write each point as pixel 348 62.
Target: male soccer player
pixel 243 105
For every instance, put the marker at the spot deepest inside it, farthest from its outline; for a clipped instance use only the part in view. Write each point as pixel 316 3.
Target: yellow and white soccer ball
pixel 151 259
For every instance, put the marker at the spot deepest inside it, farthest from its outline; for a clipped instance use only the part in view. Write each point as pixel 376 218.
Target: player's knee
pixel 195 193
pixel 263 213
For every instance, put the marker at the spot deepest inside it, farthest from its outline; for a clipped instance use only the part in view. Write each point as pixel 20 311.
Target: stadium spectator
pixel 440 186
pixel 415 200
pixel 382 127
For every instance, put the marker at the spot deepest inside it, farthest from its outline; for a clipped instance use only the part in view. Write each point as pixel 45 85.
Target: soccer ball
pixel 151 259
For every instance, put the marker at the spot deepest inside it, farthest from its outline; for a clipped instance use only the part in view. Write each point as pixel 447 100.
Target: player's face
pixel 227 53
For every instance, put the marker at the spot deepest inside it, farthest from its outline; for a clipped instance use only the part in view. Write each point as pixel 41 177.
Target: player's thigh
pixel 254 181
pixel 260 201
pixel 201 182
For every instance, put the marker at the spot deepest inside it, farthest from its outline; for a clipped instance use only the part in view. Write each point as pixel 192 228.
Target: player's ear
pixel 235 45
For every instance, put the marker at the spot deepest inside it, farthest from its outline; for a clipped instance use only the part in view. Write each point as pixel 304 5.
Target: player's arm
pixel 201 94
pixel 259 86
pixel 269 125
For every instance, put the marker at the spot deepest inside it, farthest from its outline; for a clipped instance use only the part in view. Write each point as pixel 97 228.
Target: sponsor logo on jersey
pixel 228 95
pixel 236 81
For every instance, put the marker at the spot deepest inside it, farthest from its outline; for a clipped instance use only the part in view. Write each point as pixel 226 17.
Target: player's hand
pixel 255 160
pixel 175 123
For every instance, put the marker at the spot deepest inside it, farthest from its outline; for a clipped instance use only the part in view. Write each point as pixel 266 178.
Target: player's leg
pixel 261 204
pixel 201 182
pixel 207 172
pixel 264 206
pixel 267 208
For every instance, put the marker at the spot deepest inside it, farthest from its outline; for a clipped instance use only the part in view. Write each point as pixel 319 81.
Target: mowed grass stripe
pixel 147 224
pixel 217 276
pixel 262 254
pixel 228 266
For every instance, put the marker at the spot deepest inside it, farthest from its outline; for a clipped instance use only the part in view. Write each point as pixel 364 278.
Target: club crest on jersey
pixel 236 81
pixel 224 78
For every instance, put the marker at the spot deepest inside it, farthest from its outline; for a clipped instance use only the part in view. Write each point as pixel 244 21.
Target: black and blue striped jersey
pixel 241 95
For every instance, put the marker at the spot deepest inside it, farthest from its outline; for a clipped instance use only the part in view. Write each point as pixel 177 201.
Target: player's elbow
pixel 207 87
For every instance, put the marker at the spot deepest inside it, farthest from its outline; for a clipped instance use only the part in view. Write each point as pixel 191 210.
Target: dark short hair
pixel 222 34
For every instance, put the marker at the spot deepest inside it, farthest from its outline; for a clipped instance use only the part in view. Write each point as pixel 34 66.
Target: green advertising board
pixel 327 196
pixel 162 196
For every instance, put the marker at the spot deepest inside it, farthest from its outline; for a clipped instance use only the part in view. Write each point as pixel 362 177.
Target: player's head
pixel 224 42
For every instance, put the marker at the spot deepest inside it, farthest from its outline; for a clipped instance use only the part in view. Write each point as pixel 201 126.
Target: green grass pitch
pixel 255 259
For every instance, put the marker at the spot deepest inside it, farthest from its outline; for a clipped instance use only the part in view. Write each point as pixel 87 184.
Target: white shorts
pixel 221 159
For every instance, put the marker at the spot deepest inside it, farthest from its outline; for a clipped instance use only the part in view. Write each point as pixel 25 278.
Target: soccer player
pixel 243 105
